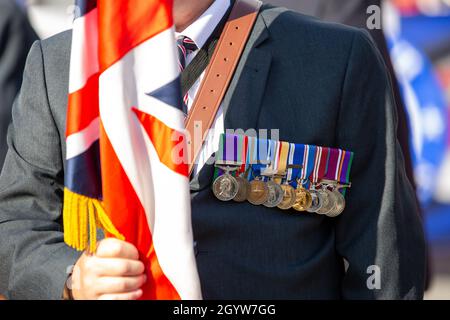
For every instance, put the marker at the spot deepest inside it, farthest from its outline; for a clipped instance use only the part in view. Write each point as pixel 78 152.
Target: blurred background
pixel 414 36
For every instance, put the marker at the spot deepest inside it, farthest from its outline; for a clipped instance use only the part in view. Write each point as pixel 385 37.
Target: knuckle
pixel 124 268
pixel 140 267
pixel 116 249
pixel 124 285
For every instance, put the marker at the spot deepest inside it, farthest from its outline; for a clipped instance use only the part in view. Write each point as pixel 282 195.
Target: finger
pixel 109 267
pixel 114 248
pixel 113 285
pixel 122 296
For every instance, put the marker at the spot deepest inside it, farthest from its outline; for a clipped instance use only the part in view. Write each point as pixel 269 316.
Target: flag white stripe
pixel 84 55
pixel 81 141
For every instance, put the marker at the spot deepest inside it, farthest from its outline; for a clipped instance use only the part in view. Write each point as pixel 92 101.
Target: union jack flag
pixel 125 141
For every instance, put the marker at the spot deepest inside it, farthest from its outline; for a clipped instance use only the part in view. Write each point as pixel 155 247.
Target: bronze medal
pixel 275 196
pixel 289 197
pixel 339 205
pixel 328 202
pixel 244 186
pixel 225 187
pixel 303 200
pixel 258 192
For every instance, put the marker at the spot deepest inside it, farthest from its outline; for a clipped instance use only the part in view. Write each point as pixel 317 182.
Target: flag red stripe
pixel 83 107
pixel 128 216
pixel 123 25
pixel 169 143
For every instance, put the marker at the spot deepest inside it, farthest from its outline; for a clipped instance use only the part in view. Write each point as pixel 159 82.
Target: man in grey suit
pixel 16 38
pixel 320 84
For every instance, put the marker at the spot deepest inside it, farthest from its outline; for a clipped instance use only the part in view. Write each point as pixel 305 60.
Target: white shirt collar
pixel 202 28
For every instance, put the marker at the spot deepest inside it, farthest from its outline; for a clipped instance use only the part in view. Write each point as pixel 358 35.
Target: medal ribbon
pixel 244 153
pixel 333 164
pixel 290 161
pixel 260 157
pixel 344 175
pixel 270 164
pixel 320 164
pixel 308 163
pixel 300 151
pixel 339 166
pixel 284 149
pixel 230 151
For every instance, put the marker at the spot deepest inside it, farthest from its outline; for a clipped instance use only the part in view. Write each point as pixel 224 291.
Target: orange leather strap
pixel 219 74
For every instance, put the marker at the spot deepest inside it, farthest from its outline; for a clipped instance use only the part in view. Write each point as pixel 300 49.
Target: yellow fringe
pixel 82 216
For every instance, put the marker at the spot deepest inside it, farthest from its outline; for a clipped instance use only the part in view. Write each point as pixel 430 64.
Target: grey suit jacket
pixel 16 38
pixel 320 84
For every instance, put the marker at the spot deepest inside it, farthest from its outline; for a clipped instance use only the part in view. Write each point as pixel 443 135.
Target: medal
pixel 305 178
pixel 275 196
pixel 258 192
pixel 243 188
pixel 317 201
pixel 285 156
pixel 338 172
pixel 276 193
pixel 303 199
pixel 225 187
pixel 320 164
pixel 328 202
pixel 339 205
pixel 289 197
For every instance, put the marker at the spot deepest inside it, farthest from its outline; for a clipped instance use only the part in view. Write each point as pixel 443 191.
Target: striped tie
pixel 185 46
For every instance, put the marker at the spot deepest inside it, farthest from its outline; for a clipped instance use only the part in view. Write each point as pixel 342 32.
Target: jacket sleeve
pixel 380 235
pixel 33 257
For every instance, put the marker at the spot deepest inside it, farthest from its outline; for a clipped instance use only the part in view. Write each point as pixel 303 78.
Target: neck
pixel 185 12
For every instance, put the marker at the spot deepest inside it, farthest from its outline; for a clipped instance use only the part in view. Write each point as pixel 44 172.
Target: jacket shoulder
pixel 285 24
pixel 58 46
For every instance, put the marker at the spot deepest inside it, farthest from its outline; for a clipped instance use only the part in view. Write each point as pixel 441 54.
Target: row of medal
pixel 282 175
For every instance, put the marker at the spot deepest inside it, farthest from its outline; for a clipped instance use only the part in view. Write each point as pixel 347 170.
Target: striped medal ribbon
pixel 303 196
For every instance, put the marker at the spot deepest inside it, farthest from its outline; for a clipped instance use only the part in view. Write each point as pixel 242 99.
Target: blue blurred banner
pixel 423 95
pixel 427 32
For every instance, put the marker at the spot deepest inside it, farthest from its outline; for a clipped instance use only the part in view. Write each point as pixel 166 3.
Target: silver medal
pixel 276 195
pixel 317 201
pixel 328 202
pixel 225 187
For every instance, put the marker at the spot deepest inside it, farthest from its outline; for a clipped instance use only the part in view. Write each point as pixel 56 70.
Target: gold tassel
pixel 81 217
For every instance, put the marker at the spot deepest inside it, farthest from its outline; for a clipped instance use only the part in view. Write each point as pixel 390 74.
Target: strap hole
pixel 204 108
pixel 231 43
